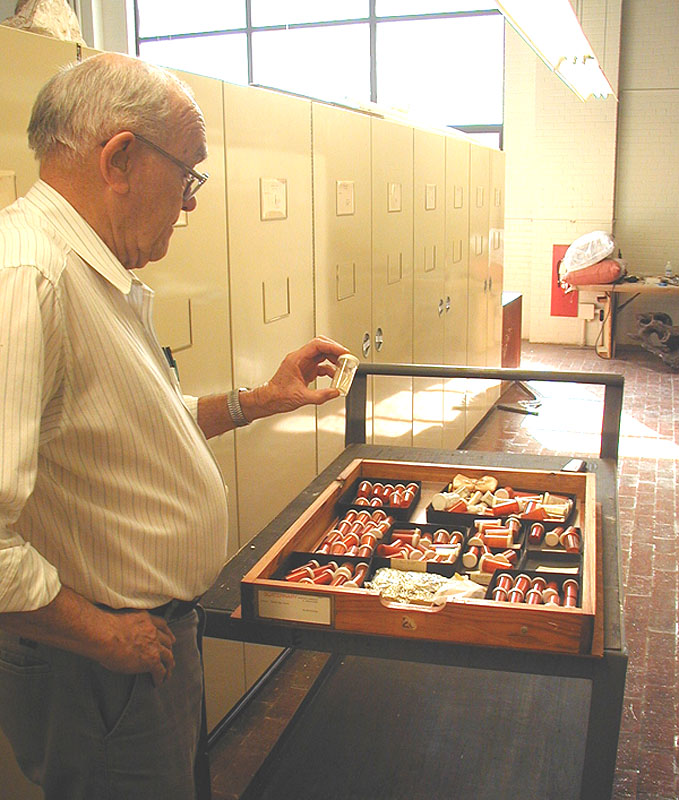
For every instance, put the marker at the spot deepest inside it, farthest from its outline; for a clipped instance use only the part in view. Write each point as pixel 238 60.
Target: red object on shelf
pixel 563 305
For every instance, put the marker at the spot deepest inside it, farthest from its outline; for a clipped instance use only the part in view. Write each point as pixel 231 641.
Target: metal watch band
pixel 233 404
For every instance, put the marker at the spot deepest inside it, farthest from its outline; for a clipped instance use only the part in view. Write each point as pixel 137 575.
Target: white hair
pixel 85 104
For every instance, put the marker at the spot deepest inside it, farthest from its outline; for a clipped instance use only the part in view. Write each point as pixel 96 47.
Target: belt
pixel 175 609
pixel 170 611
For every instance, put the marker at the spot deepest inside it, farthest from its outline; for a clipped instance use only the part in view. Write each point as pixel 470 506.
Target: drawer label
pixel 294 607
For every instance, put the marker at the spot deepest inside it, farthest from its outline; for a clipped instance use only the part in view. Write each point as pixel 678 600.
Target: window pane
pixel 274 12
pixel 222 57
pixel 163 17
pixel 489 139
pixel 443 71
pixel 392 8
pixel 330 63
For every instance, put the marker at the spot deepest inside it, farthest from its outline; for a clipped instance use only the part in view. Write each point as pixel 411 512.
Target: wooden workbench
pixel 609 294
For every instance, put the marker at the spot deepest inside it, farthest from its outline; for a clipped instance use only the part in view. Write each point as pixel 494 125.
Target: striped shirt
pixel 107 484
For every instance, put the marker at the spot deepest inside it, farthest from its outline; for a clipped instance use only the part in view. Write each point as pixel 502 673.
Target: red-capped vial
pixel 514 525
pixel 536 533
pixel 295 575
pixel 408 497
pixel 360 573
pixel 550 596
pixel 534 597
pixel 515 595
pixel 413 537
pixel 323 578
pixel 506 507
pixel 365 489
pixel 470 558
pixel 511 556
pixel 552 537
pixel 504 581
pixel 342 575
pixel 490 563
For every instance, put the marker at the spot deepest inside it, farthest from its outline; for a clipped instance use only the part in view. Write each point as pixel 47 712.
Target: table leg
pixel 608 688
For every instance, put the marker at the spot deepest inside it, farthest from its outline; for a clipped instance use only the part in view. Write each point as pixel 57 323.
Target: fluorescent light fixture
pixel 551 28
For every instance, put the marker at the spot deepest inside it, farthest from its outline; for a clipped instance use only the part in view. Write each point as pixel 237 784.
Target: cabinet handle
pixel 379 339
pixel 490 284
pixel 448 304
pixel 442 307
pixel 365 345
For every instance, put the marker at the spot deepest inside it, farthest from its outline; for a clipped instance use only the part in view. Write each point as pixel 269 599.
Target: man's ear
pixel 115 161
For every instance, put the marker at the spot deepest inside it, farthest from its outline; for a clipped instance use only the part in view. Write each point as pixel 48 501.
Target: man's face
pixel 157 199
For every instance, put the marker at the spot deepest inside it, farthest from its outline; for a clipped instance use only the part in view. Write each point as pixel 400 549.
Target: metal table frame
pixel 607 674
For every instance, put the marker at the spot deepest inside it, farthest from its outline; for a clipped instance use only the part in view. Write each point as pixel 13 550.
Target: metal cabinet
pixel 456 316
pixel 268 187
pixel 342 248
pixel 392 276
pixel 429 287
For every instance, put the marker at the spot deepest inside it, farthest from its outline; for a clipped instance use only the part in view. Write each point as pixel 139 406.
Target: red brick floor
pixel 568 421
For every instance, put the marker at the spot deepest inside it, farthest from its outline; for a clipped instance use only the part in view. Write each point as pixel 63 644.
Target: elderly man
pixel 113 512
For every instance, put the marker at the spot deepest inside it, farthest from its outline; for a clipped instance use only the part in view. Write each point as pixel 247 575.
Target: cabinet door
pixel 28 61
pixel 341 185
pixel 477 305
pixel 268 182
pixel 392 287
pixel 496 234
pixel 191 304
pixel 429 282
pixel 191 315
pixel 456 312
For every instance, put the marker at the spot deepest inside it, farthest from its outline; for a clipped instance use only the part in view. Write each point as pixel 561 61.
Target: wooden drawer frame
pixel 468 621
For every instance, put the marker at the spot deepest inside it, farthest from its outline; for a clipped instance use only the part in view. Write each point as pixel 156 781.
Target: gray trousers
pixel 85 733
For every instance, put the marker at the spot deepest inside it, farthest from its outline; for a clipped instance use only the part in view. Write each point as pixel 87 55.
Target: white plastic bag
pixel 587 250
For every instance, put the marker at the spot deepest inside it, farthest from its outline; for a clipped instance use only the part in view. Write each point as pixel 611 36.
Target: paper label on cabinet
pixel 294 607
pixel 273 198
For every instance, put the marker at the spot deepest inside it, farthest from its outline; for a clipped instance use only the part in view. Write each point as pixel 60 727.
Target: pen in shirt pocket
pixel 171 361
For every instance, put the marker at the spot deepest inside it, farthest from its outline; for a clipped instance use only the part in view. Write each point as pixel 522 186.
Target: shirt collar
pixel 78 233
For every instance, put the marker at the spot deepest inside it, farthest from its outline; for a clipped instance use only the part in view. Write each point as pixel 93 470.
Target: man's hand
pixel 128 641
pixel 286 391
pixel 289 387
pixel 138 642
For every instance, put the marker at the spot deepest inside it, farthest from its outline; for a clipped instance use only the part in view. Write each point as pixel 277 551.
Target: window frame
pixel 372 19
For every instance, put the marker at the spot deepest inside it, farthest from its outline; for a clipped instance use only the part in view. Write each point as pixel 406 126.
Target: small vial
pixel 344 375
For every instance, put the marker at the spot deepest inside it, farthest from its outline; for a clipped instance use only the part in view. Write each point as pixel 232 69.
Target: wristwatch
pixel 235 410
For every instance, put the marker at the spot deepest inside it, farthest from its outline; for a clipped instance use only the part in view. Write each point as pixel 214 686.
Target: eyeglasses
pixel 194 179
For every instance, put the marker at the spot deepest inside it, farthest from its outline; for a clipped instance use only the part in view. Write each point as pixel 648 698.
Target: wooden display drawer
pixel 266 595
